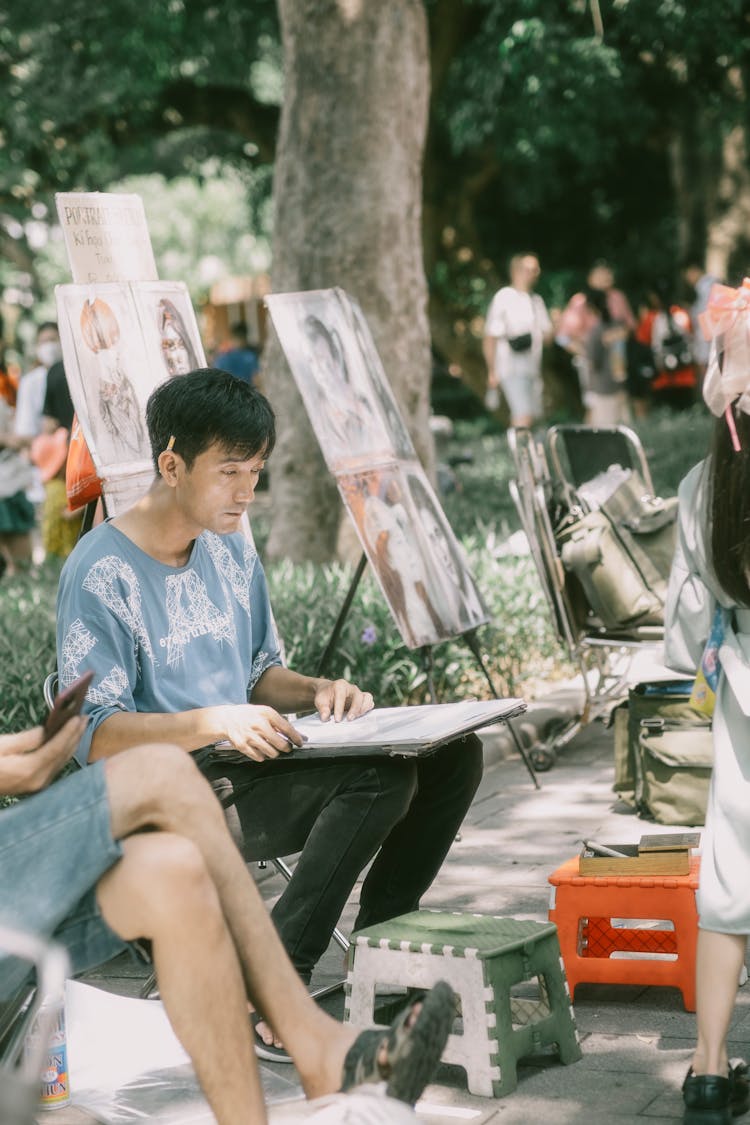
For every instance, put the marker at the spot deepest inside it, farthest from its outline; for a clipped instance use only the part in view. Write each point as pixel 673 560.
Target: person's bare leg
pixel 719 961
pixel 160 786
pixel 9 570
pixel 522 421
pixel 20 548
pixel 162 890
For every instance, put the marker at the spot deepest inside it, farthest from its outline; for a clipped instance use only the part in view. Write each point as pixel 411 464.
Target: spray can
pixel 55 1080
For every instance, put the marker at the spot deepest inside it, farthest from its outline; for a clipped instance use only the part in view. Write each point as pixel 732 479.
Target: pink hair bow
pixel 726 322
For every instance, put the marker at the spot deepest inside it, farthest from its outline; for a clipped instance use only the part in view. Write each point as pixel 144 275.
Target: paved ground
pixel 636 1041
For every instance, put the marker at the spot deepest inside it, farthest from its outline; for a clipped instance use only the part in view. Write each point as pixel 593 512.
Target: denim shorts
pixel 54 848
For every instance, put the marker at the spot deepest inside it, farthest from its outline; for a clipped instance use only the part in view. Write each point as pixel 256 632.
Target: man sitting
pixel 168 605
pixel 76 866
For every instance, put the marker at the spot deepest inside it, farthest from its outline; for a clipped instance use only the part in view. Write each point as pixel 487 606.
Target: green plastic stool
pixel 507 974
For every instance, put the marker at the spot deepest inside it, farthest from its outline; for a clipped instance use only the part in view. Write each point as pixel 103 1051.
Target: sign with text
pixel 106 237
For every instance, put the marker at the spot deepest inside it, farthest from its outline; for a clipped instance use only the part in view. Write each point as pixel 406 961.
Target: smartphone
pixel 67 704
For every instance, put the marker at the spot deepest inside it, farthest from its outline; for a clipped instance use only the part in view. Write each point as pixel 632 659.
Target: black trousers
pixel 339 815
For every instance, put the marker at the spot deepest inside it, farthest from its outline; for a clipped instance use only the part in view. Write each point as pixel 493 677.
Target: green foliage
pixel 481 503
pixel 548 136
pixel 673 443
pixel 27 646
pixel 545 57
pixel 542 132
pixel 91 95
pixel 88 85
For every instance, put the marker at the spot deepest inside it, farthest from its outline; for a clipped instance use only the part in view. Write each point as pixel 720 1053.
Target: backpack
pixel 641 362
pixel 676 350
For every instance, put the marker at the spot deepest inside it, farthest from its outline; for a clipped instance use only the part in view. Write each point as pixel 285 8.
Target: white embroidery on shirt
pixel 77 644
pixel 107 692
pixel 262 661
pixel 229 569
pixel 100 581
pixel 191 613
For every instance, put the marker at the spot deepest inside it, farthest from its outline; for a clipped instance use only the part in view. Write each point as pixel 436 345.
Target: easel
pixel 469 638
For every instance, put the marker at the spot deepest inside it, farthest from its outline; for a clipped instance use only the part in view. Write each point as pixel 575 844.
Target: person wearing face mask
pixel 18 516
pixel 30 399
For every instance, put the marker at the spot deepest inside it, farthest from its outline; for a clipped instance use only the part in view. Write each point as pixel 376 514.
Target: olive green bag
pixel 675 766
pixel 663 753
pixel 621 555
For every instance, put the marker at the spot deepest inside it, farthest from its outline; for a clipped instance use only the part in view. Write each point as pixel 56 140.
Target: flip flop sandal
pixel 264 1050
pixel 412 1053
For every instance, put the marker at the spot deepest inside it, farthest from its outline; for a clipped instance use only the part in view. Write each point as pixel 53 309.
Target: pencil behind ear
pixel 168 462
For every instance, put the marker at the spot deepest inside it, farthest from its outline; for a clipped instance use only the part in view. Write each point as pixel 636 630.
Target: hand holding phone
pixel 67 704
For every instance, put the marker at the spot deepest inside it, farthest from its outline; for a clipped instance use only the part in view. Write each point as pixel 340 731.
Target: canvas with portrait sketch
pixel 120 340
pixel 416 558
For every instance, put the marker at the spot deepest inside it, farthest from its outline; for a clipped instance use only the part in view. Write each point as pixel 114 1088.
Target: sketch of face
pixel 176 349
pixel 393 420
pixel 99 326
pixel 174 352
pixel 439 545
pixel 113 400
pixel 327 360
pixel 393 494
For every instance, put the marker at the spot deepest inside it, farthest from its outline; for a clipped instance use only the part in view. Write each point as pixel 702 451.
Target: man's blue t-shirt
pixel 162 638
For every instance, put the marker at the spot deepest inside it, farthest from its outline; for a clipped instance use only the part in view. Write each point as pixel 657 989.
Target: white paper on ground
pixel 127 1065
pixel 367 1105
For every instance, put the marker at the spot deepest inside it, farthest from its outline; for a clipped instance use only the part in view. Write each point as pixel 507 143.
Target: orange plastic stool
pixel 601 943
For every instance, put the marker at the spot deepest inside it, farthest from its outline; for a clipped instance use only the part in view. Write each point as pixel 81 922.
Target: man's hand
pixel 28 765
pixel 339 698
pixel 258 732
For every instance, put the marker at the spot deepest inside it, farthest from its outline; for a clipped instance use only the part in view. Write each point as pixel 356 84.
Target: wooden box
pixel 663 854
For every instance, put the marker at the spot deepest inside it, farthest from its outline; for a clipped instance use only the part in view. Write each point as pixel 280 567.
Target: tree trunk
pixel 727 235
pixel 727 238
pixel 692 170
pixel 347 196
pixel 711 179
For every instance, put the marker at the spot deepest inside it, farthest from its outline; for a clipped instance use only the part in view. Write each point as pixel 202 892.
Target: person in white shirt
pixel 31 390
pixel 516 328
pixel 24 489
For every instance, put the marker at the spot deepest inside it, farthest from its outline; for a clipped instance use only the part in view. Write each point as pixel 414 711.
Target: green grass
pixel 27 646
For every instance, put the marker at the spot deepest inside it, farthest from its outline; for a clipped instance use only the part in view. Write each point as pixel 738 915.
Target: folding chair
pixel 579 453
pixel 591 647
pixel 148 990
pixel 21 1062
